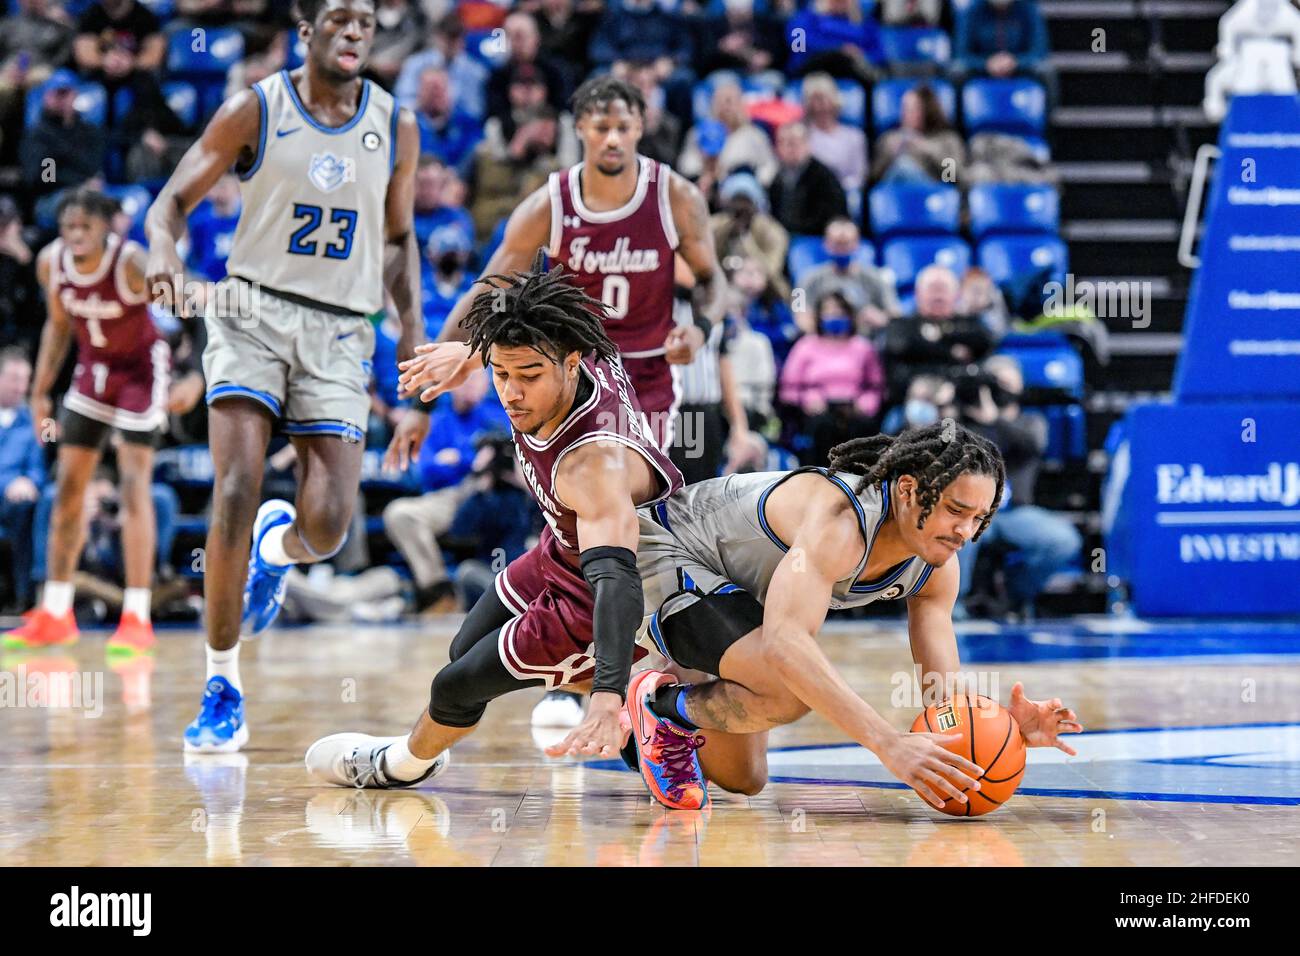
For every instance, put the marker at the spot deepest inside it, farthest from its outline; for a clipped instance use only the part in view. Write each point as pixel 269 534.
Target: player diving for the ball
pixel 738 575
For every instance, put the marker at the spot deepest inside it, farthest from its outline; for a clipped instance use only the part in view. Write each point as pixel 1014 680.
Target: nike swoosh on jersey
pixel 340 338
pixel 286 132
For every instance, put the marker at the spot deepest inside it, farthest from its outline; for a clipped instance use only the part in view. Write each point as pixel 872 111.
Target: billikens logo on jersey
pixel 328 172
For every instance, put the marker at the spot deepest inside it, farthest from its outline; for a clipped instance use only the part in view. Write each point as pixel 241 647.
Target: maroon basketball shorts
pixel 550 637
pixel 656 390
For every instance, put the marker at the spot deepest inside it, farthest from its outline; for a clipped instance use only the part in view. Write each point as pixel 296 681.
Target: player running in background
pixel 94 282
pixel 740 571
pixel 568 611
pixel 326 162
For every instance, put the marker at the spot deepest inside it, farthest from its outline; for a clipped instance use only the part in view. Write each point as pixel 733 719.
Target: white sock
pixel 271 549
pixel 136 601
pixel 57 597
pixel 401 764
pixel 225 664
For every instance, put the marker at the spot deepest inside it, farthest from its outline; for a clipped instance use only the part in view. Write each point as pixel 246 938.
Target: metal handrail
pixel 1192 215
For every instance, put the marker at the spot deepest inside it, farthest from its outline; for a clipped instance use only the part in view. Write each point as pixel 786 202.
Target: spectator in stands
pixel 445 277
pixel 1045 542
pixel 62 151
pixel 117 38
pixel 742 228
pixel 739 40
pixel 753 370
pixel 399 24
pixel 1000 39
pixel 446 130
pixel 868 291
pixel 565 29
pixel 212 229
pixel 525 59
pixel 923 148
pixel 762 308
pixel 22 472
pixel 805 194
pixel 457 421
pixel 644 30
pixel 744 144
pixel 834 377
pixel 661 137
pixel 439 198
pixel 508 167
pixel 937 339
pixel 150 136
pixel 835 36
pixel 982 298
pixel 34 41
pixel 838 146
pixel 911 13
pixel 21 302
pixel 928 397
pixel 446 49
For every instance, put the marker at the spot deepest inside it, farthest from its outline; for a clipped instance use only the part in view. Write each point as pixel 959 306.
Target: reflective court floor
pixel 1192 757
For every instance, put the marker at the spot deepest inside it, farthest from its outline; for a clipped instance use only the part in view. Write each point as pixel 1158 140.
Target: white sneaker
pixel 355 760
pixel 559 708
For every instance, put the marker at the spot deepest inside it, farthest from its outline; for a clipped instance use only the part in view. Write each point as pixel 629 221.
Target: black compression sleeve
pixel 614 580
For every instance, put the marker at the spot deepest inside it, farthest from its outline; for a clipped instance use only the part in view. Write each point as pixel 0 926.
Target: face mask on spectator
pixel 918 411
pixel 842 259
pixel 836 325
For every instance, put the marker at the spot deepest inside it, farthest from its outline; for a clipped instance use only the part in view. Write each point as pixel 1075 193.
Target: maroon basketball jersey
pixel 609 413
pixel 623 257
pixel 122 361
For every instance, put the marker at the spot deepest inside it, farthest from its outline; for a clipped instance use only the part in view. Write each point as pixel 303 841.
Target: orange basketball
pixel 990 739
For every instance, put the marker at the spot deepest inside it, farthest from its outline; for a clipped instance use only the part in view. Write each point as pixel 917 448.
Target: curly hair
pixel 540 310
pixel 90 201
pixel 596 93
pixel 935 455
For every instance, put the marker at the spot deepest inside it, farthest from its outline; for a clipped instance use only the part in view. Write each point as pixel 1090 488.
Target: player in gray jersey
pixel 739 572
pixel 327 168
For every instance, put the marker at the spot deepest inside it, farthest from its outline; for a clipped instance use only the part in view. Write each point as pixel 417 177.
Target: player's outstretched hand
pixel 407 439
pixel 1041 721
pixel 921 762
pixel 682 344
pixel 437 367
pixel 599 734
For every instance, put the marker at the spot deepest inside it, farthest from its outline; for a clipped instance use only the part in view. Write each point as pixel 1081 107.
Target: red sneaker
pixel 43 629
pixel 669 764
pixel 133 636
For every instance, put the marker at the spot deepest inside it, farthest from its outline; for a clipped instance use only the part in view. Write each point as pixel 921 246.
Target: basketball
pixel 990 738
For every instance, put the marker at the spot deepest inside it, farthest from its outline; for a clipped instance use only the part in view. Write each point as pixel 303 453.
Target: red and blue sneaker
pixel 666 752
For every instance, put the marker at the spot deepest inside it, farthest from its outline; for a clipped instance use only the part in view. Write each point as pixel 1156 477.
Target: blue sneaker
pixel 264 592
pixel 219 728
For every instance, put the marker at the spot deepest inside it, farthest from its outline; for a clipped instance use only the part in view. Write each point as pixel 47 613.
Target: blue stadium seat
pixel 918 210
pixel 1020 209
pixel 489 47
pixel 808 252
pixel 135 200
pixel 908 255
pixel 916 45
pixel 183 98
pixel 853 101
pixel 1047 360
pixel 1008 259
pixel 887 101
pixel 91 103
pixel 220 49
pixel 1018 107
pixel 295 50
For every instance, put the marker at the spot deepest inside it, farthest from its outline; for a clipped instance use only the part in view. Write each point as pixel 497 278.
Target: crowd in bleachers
pixel 884 206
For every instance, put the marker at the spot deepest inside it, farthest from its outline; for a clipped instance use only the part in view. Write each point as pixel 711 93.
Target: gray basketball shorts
pixel 310 367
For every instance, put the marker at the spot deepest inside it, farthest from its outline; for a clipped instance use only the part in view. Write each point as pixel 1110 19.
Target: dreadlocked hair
pixel 935 455
pixel 539 310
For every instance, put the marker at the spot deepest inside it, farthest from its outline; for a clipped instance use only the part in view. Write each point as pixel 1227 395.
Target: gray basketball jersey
pixel 722 524
pixel 312 221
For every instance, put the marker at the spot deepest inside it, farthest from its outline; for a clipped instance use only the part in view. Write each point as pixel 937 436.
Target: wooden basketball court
pixel 1189 760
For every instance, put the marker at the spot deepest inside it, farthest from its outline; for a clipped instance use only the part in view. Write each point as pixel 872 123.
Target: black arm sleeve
pixel 613 577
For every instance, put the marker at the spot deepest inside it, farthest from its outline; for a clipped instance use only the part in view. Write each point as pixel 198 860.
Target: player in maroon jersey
pixel 615 222
pixel 569 610
pixel 95 289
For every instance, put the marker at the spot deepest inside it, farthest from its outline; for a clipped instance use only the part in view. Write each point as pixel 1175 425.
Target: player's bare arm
pixel 229 138
pixel 602 482
pixel 56 339
pixel 695 245
pixel 442 364
pixel 827 548
pixel 402 281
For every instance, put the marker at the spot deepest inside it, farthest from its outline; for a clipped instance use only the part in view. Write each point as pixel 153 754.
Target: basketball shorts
pixel 308 366
pixel 550 637
pixel 80 431
pixel 694 613
pixel 126 392
pixel 657 391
